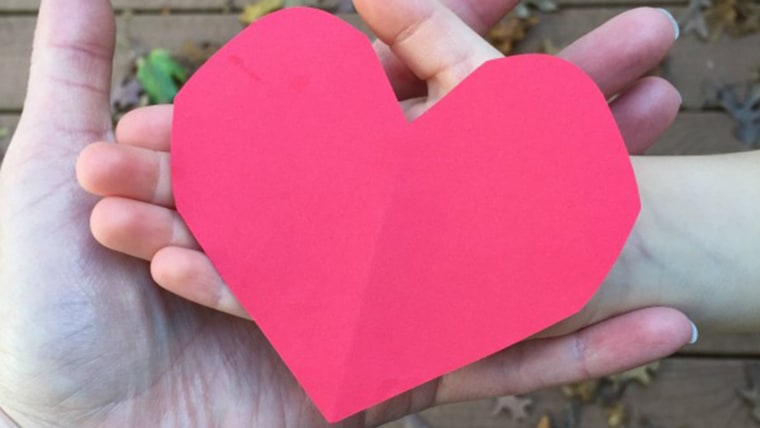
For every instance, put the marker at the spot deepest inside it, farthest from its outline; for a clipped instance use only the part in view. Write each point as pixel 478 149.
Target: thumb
pixel 67 103
pixel 480 15
pixel 430 39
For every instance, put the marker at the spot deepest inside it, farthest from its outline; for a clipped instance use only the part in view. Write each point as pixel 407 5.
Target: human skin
pixel 87 338
pixel 137 216
pixel 661 263
pixel 691 247
pixel 694 243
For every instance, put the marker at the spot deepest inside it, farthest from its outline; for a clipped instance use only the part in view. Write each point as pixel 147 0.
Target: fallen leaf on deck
pixel 544 422
pixel 4 132
pixel 693 20
pixel 548 47
pixel 641 374
pixel 710 19
pixel 161 76
pixel 517 407
pixel 510 30
pixel 616 415
pixel 258 9
pixel 745 109
pixel 735 17
pixel 585 392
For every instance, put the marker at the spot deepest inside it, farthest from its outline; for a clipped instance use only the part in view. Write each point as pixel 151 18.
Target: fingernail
pixel 676 30
pixel 694 333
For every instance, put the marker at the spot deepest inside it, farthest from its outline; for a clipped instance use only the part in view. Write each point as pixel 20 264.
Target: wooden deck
pixel 698 387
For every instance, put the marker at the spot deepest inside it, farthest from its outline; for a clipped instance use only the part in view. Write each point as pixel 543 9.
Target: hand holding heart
pixel 88 339
pixel 123 222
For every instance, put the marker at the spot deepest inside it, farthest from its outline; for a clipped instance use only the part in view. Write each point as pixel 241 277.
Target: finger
pixel 71 66
pixel 189 274
pixel 137 228
pixel 430 39
pixel 147 127
pixel 624 48
pixel 106 169
pixel 644 111
pixel 479 15
pixel 612 346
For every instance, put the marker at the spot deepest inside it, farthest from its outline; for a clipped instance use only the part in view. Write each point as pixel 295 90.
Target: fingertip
pixel 113 224
pixel 674 327
pixel 645 110
pixel 102 223
pixel 659 23
pixel 190 275
pixel 148 127
pixel 389 19
pixel 92 164
pixel 623 48
pixel 673 22
pixel 661 330
pixel 432 41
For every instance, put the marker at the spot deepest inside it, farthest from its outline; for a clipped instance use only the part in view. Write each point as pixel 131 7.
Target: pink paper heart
pixel 377 254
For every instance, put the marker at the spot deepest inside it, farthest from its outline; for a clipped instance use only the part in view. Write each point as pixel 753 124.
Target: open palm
pixel 87 338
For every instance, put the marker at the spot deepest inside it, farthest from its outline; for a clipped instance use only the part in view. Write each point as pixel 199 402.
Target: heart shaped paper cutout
pixel 377 254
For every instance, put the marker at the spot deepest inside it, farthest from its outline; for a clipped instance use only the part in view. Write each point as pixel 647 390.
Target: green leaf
pixel 4 132
pixel 161 76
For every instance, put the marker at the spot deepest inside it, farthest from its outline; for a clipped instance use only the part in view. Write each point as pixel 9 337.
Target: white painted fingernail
pixel 694 333
pixel 676 29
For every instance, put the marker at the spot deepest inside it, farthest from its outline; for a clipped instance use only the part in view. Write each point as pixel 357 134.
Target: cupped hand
pixel 87 338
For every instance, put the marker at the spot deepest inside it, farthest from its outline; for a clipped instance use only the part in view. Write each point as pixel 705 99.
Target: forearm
pixel 696 244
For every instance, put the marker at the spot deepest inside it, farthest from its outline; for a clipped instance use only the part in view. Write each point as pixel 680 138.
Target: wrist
pixel 694 243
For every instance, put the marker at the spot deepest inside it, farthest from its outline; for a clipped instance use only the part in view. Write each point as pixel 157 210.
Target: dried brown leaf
pixel 585 392
pixel 544 422
pixel 735 17
pixel 505 35
pixel 643 375
pixel 616 415
pixel 257 9
pixel 517 407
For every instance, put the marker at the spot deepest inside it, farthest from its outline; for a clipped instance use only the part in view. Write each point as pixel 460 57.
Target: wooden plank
pixel 133 34
pixel 577 3
pixel 620 3
pixel 699 133
pixel 690 393
pixel 729 345
pixel 16 34
pixel 8 124
pixel 691 65
pixel 33 5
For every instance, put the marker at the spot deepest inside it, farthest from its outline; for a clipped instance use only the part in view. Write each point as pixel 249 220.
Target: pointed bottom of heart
pixel 379 369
